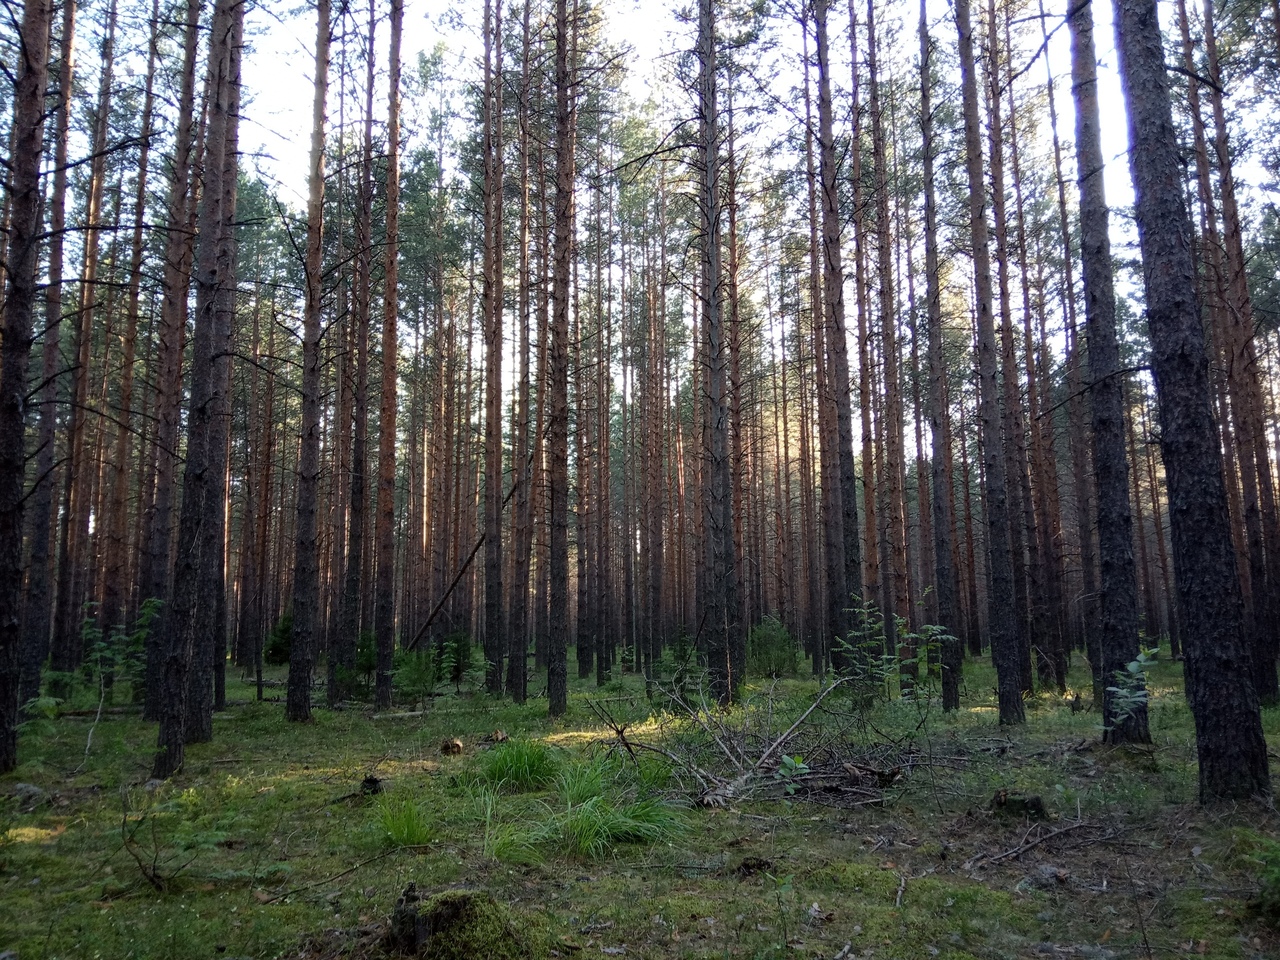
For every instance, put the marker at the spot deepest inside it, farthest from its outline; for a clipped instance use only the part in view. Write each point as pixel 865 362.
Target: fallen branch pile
pixel 723 757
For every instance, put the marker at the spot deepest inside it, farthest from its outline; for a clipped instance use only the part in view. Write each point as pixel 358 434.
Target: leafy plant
pixel 928 644
pixel 457 661
pixel 133 653
pixel 789 772
pixel 678 661
pixel 1129 692
pixel 39 714
pixel 861 656
pixel 783 891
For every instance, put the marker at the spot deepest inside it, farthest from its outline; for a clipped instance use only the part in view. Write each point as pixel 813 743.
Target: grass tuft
pixel 519 766
pixel 403 821
pixel 580 782
pixel 591 828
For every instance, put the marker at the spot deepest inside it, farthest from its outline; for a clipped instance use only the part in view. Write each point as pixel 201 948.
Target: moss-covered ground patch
pixel 268 839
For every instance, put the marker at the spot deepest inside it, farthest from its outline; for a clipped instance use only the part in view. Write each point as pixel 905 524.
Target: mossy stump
pixel 457 925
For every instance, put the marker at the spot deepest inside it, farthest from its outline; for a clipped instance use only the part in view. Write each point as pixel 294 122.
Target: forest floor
pixel 900 833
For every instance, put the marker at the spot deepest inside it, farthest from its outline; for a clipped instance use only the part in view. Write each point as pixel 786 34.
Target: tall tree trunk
pixel 179 246
pixel 721 615
pixel 1229 740
pixel 16 325
pixel 558 371
pixel 1118 604
pixel 1261 523
pixel 68 644
pixel 942 502
pixel 306 570
pixel 522 467
pixel 892 431
pixel 384 609
pixel 189 621
pixel 115 597
pixel 38 606
pixel 1015 447
pixel 1002 612
pixel 828 506
pixel 344 642
pixel 494 612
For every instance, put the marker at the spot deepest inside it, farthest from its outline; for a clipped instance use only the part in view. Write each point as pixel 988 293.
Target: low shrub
pixel 771 650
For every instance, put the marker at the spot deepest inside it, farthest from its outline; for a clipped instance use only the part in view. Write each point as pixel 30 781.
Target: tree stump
pixel 457 925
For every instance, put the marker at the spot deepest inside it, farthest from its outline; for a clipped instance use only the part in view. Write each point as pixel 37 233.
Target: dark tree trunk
pixel 558 373
pixel 721 615
pixel 21 261
pixel 837 342
pixel 154 575
pixel 1118 606
pixel 522 466
pixel 186 636
pixel 494 612
pixel 384 603
pixel 941 500
pixel 345 640
pixel 113 614
pixel 38 608
pixel 1229 740
pixel 1002 613
pixel 306 567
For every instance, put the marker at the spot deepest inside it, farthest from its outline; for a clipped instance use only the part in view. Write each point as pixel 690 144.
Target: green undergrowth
pixel 268 836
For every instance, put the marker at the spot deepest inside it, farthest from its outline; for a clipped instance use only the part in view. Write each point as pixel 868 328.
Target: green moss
pixel 462 925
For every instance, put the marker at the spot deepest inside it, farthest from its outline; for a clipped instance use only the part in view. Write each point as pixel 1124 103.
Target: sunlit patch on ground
pixel 34 834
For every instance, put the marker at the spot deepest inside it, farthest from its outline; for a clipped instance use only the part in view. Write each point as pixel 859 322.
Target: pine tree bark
pixel 1262 526
pixel 1002 612
pixel 1118 603
pixel 306 589
pixel 828 506
pixel 384 602
pixel 1017 486
pixel 115 596
pixel 188 623
pixel 558 373
pixel 73 568
pixel 1229 740
pixel 154 573
pixel 721 615
pixel 494 606
pixel 522 466
pixel 944 574
pixel 892 431
pixel 22 260
pixel 345 640
pixel 38 605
